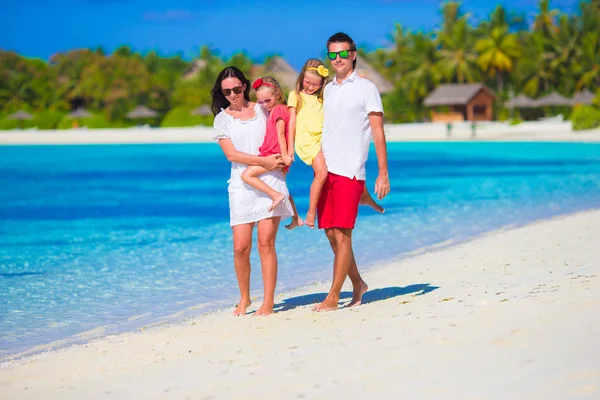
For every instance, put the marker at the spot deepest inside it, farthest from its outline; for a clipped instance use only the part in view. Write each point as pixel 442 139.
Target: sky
pixel 294 29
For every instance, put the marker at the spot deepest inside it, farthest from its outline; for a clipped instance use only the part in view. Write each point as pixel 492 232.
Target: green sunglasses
pixel 332 55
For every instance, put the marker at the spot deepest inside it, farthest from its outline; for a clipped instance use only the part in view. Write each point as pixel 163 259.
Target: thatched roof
pixel 203 110
pixel 583 97
pixel 141 112
pixel 280 70
pixel 20 115
pixel 80 112
pixel 363 67
pixel 455 94
pixel 553 99
pixel 192 71
pixel 521 101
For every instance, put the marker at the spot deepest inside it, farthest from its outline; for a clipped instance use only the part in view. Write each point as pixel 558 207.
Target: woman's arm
pixel 269 162
pixel 292 131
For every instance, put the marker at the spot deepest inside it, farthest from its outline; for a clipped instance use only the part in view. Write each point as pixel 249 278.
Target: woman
pixel 240 127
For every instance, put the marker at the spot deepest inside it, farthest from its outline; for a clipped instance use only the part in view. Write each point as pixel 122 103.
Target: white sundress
pixel 247 204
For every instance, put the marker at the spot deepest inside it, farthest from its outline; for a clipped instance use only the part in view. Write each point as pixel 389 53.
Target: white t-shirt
pixel 346 126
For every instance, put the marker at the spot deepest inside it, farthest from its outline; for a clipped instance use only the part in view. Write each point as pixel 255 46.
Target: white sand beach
pixel 510 315
pixel 485 131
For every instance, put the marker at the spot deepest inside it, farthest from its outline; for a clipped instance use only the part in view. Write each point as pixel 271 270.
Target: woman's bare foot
pixel 276 201
pixel 310 220
pixel 241 307
pixel 263 311
pixel 368 201
pixel 329 304
pixel 357 294
pixel 296 222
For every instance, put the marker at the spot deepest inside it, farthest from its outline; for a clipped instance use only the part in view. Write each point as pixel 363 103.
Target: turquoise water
pixel 121 236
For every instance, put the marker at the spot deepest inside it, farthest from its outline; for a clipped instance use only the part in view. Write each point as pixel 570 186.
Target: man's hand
pixel 272 162
pixel 382 186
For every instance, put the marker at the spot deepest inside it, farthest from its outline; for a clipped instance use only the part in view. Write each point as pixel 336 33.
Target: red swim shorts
pixel 338 205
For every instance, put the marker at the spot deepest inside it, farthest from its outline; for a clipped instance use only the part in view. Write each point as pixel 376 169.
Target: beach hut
pixel 78 114
pixel 364 68
pixel 21 115
pixel 461 101
pixel 193 70
pixel 141 112
pixel 203 111
pixel 280 69
pixel 521 101
pixel 585 97
pixel 553 99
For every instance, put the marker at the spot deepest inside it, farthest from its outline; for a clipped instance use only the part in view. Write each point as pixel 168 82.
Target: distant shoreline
pixel 485 131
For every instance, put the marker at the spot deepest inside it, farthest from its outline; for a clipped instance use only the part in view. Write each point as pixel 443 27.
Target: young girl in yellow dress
pixel 306 127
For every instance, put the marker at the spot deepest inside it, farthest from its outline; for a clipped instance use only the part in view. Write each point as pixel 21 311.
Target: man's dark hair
pixel 341 37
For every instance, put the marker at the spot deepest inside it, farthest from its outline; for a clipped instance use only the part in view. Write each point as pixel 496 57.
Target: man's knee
pixel 338 236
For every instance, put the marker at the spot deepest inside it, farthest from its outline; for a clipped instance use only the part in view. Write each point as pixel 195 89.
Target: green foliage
pixel 515 121
pixel 585 117
pixel 559 52
pixel 181 116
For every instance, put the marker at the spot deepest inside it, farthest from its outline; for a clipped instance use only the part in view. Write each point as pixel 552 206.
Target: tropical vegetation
pixel 511 53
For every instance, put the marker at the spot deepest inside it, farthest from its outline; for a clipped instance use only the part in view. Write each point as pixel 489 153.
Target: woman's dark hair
pixel 218 98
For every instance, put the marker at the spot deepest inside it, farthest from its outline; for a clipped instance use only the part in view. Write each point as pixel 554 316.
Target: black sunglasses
pixel 332 55
pixel 236 90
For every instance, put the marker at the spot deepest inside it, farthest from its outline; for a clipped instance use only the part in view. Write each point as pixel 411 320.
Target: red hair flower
pixel 257 83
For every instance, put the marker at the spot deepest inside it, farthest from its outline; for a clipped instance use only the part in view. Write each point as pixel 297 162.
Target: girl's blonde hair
pixel 311 63
pixel 275 86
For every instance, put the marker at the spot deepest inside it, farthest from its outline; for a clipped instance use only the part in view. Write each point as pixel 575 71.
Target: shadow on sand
pixel 369 297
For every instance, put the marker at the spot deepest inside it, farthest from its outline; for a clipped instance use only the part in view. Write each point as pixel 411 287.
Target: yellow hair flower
pixel 321 70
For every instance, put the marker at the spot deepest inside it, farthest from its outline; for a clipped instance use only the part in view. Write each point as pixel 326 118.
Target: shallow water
pixel 118 236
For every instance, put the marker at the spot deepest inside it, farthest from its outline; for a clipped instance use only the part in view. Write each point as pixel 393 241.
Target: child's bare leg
pixel 367 200
pixel 296 220
pixel 320 168
pixel 250 176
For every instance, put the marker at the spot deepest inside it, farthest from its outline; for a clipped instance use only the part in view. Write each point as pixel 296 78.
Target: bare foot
pixel 328 304
pixel 310 220
pixel 357 294
pixel 296 222
pixel 241 307
pixel 263 311
pixel 368 201
pixel 276 201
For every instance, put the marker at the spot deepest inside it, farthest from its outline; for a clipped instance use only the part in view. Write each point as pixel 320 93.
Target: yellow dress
pixel 309 125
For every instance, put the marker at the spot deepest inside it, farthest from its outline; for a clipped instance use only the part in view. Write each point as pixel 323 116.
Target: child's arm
pixel 291 131
pixel 283 146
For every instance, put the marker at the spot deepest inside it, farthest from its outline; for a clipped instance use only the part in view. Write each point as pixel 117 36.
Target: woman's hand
pixel 272 162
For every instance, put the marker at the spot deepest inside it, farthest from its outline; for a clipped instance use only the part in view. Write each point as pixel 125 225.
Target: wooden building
pixel 461 102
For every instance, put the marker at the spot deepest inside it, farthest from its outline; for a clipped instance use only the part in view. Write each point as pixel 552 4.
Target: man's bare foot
pixel 241 307
pixel 276 201
pixel 296 222
pixel 328 304
pixel 263 311
pixel 310 220
pixel 357 294
pixel 368 201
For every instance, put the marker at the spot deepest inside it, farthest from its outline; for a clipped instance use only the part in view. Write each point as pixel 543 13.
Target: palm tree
pixel 422 74
pixel 545 20
pixel 535 70
pixel 458 60
pixel 497 54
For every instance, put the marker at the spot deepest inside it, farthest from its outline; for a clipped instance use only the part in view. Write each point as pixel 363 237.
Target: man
pixel 353 114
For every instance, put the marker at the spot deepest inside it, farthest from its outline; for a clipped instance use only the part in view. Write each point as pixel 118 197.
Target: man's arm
pixel 382 184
